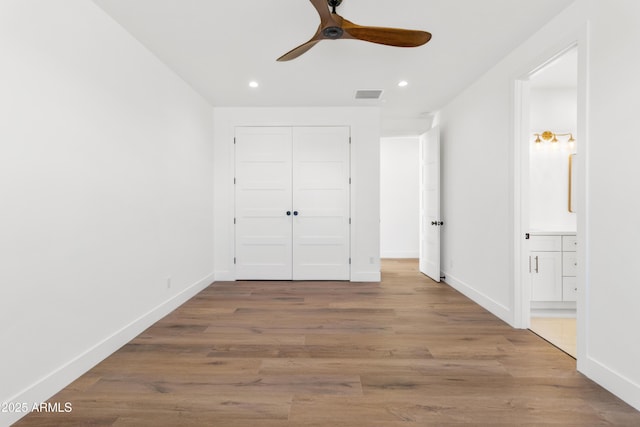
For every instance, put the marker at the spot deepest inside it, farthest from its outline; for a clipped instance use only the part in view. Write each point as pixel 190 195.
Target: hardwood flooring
pixel 403 352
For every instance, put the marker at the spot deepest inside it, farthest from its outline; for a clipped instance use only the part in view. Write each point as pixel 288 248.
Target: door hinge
pixel 234 220
pixel 349 220
pixel 234 260
pixel 349 261
pixel 349 180
pixel 234 180
pixel 234 139
pixel 349 140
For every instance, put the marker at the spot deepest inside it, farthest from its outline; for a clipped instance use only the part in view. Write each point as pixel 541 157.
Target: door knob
pixel 434 223
pixel 295 213
pixel 288 213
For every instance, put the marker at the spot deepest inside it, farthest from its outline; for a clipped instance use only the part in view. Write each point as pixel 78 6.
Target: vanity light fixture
pixel 547 135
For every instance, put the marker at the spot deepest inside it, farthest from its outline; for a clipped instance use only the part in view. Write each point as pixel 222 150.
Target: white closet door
pixel 321 173
pixel 263 197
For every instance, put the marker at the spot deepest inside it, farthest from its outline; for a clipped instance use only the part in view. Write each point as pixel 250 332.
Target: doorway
pixel 548 215
pixel 399 197
pixel 410 220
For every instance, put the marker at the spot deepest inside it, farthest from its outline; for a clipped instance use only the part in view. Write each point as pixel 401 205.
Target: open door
pixel 430 221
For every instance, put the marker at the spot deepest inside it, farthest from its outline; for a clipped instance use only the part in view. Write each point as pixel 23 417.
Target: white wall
pixel 106 191
pixel 365 174
pixel 555 110
pixel 478 185
pixel 475 186
pixel 399 197
pixel 613 206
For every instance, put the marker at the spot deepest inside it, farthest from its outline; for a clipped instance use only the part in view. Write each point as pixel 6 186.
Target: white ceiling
pixel 219 46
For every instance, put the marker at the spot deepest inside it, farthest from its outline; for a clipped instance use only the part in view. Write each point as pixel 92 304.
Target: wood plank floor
pixel 404 352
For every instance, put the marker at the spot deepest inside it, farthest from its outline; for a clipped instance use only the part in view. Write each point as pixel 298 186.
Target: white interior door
pixel 263 198
pixel 430 221
pixel 321 171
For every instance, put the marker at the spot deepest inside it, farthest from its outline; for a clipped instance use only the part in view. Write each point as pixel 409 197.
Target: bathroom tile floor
pixel 560 332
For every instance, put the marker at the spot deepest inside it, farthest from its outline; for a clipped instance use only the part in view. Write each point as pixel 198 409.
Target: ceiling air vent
pixel 368 94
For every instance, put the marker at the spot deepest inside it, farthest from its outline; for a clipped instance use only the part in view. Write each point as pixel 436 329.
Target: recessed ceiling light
pixel 253 84
pixel 403 83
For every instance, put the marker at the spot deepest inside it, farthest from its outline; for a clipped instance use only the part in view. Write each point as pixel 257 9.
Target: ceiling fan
pixel 333 26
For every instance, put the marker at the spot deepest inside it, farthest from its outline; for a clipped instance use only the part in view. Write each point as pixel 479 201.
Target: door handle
pixel 288 213
pixel 295 213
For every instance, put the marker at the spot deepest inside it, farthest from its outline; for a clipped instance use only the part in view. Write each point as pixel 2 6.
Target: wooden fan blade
pixel 323 10
pixel 294 53
pixel 326 20
pixel 387 36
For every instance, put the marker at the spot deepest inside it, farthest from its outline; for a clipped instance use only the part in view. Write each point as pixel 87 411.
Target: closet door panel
pixel 321 170
pixel 262 199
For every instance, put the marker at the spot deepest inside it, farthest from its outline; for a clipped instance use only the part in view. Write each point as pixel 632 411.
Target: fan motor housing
pixel 333 32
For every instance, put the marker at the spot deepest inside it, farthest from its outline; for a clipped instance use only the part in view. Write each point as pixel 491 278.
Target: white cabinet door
pixel 569 263
pixel 321 203
pixel 546 276
pixel 262 199
pixel 292 203
pixel 569 243
pixel 569 289
pixel 430 221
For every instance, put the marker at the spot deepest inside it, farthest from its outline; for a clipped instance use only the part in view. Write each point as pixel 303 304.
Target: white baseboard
pixel 613 381
pixel 225 276
pixel 497 309
pixel 366 276
pixel 66 374
pixel 373 276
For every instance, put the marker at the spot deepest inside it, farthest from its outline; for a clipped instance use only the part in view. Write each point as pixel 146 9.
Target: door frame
pixel 521 290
